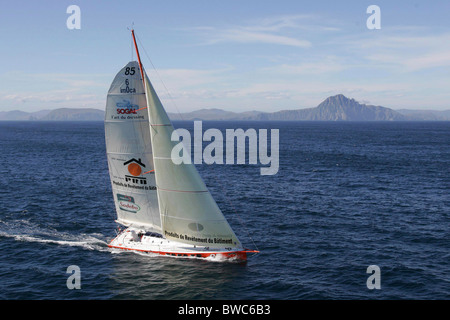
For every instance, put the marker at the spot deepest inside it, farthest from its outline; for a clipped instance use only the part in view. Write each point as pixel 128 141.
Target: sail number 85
pixel 129 71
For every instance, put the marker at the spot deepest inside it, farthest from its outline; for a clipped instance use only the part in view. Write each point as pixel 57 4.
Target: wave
pixel 84 241
pixel 24 230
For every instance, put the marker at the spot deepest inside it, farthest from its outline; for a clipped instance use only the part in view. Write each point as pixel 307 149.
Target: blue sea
pixel 348 195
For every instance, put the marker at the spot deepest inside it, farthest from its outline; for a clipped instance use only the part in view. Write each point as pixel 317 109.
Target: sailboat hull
pixel 150 190
pixel 140 241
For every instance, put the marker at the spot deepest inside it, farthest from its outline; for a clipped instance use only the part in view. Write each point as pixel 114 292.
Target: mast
pixel 138 56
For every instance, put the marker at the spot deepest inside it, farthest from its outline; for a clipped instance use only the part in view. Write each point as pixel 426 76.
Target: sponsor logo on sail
pixel 127 89
pixel 134 176
pixel 126 203
pixel 135 170
pixel 126 107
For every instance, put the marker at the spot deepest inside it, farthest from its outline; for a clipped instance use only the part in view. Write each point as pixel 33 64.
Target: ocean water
pixel 347 196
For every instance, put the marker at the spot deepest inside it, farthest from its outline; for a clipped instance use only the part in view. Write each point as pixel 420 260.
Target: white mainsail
pixel 129 151
pixel 189 213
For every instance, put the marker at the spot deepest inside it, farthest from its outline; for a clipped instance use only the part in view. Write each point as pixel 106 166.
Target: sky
pixel 233 55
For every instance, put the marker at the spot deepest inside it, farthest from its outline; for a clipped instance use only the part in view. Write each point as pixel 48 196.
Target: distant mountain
pixel 39 114
pixel 335 108
pixel 216 114
pixel 21 115
pixel 65 114
pixel 426 115
pixel 341 108
pixel 14 115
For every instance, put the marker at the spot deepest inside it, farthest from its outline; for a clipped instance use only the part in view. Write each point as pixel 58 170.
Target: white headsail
pixel 129 151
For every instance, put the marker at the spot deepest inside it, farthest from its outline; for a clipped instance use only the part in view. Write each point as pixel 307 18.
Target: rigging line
pixel 160 79
pixel 131 42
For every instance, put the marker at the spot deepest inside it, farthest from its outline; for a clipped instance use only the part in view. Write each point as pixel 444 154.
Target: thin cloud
pixel 278 30
pixel 245 36
pixel 406 52
pixel 324 65
pixel 53 90
pixel 309 22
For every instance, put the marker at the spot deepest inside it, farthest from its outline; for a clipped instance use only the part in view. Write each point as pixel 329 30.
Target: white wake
pixel 23 230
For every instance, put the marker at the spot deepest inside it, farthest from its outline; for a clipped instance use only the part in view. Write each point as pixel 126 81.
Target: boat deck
pixel 131 239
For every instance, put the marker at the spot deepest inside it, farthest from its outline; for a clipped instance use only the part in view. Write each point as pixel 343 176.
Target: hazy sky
pixel 234 55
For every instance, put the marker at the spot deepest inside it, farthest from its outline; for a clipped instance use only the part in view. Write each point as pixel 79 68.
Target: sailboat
pixel 163 207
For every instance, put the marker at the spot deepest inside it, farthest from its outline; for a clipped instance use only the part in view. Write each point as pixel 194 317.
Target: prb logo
pixel 135 170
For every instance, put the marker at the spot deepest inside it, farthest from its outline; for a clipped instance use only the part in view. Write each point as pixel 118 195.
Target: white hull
pixel 139 240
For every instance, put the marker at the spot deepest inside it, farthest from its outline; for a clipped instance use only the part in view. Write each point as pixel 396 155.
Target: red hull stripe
pixel 242 255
